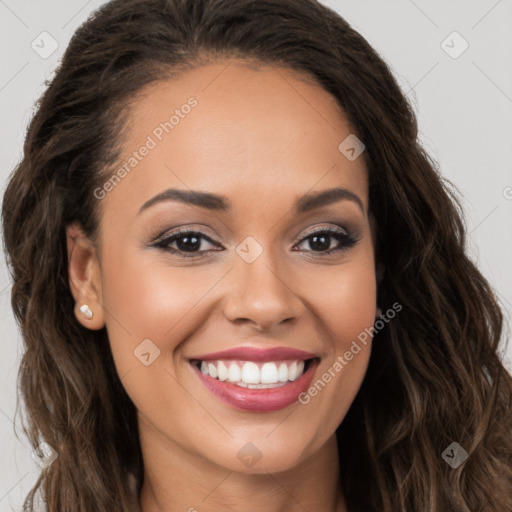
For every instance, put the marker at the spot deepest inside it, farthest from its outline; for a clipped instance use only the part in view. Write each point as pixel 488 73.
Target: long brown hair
pixel 435 375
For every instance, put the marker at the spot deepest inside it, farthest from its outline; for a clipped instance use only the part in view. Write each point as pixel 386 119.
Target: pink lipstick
pixel 255 379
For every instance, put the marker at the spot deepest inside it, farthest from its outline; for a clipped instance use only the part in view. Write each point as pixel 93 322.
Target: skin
pixel 261 138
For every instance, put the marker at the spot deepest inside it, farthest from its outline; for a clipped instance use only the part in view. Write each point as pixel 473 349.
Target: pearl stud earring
pixel 86 311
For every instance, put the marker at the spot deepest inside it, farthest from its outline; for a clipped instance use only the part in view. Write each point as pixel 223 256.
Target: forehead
pixel 231 128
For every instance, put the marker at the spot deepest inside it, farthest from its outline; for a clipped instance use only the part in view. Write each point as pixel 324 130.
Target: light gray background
pixel 464 109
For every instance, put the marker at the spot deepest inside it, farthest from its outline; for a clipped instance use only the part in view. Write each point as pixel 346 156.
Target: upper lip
pixel 257 354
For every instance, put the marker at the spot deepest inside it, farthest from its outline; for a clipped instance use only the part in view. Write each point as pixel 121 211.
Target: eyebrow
pixel 215 202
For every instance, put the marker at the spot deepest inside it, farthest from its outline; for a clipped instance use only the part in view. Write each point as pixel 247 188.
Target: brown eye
pixel 188 243
pixel 320 240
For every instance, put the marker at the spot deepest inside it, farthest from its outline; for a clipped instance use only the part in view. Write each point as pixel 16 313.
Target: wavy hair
pixel 435 375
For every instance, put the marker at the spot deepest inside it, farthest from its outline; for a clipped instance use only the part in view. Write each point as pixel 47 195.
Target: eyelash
pixel 346 241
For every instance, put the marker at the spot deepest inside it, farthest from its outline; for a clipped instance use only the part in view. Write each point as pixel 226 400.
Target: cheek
pixel 353 309
pixel 346 299
pixel 151 298
pixel 164 305
pixel 147 301
pixel 346 307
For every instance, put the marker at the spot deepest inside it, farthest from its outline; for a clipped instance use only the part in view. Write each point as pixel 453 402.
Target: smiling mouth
pixel 254 374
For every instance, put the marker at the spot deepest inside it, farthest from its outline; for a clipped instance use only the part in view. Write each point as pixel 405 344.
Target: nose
pixel 261 296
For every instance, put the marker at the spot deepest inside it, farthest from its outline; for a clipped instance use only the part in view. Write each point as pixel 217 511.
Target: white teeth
pixel 254 375
pixel 250 373
pixel 212 370
pixel 292 371
pixel 222 371
pixel 269 373
pixel 283 372
pixel 234 373
pixel 261 386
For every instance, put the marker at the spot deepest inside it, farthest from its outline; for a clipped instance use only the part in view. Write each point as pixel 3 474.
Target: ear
pixel 84 275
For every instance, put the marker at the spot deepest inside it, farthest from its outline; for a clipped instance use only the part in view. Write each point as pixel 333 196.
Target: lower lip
pixel 259 400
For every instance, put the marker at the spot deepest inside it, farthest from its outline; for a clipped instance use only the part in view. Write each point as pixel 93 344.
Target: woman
pixel 241 281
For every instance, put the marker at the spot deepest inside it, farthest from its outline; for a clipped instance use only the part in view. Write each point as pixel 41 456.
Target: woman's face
pixel 262 144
